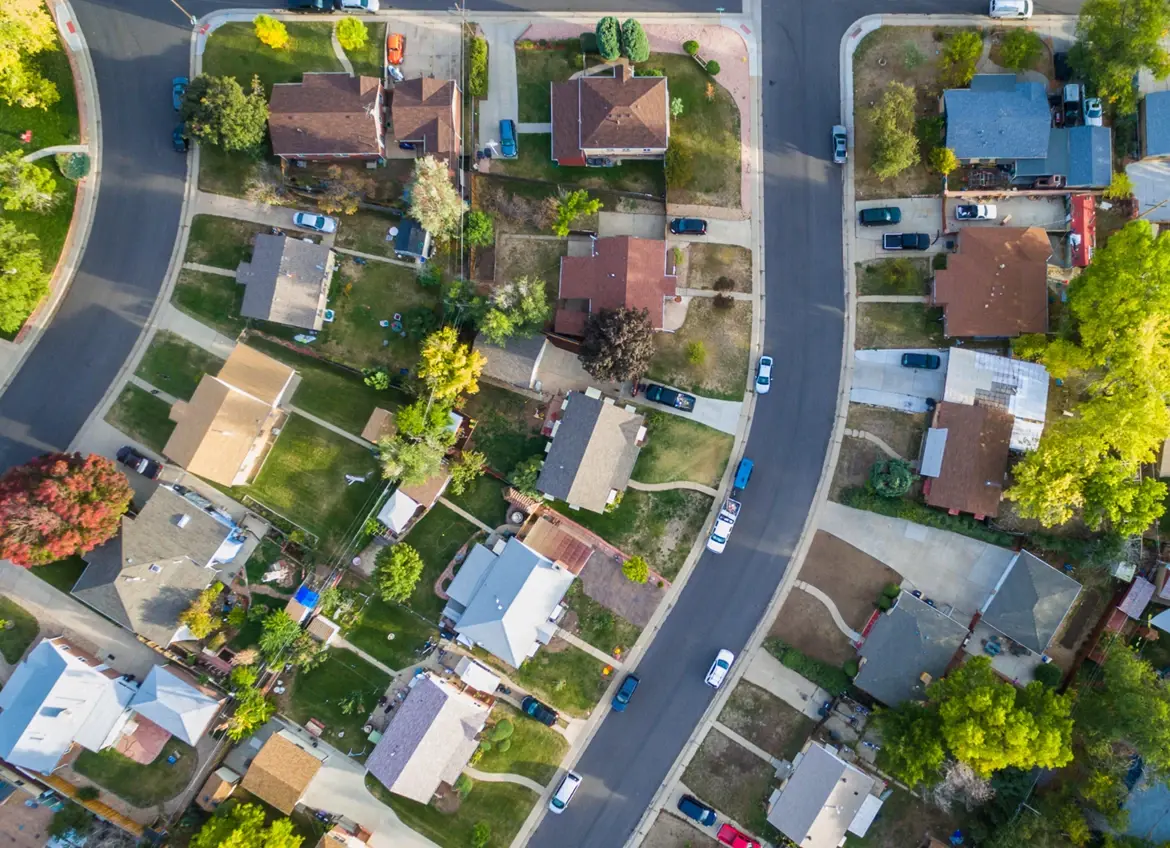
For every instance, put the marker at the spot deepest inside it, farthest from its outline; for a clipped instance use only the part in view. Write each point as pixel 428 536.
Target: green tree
pixel 677 107
pixel 306 653
pixel 376 378
pixel 242 826
pixel 277 633
pixel 609 44
pixel 894 147
pixel 943 159
pixel 199 617
pixel 1020 49
pixel 891 478
pixel 713 68
pixel 618 344
pixel 481 835
pixel 243 677
pixel 636 569
pixel 26 30
pixel 1120 188
pixel 449 367
pixel 344 189
pixel 71 818
pixel 1129 708
pixel 912 743
pixel 635 46
pixel 571 206
pixel 960 55
pixel 24 282
pixel 516 308
pixel 397 571
pixel 691 48
pixel 218 112
pixel 1115 40
pixel 466 471
pixel 425 421
pixel 434 202
pixel 410 462
pixel 352 33
pixel 477 67
pixel 478 230
pixel 696 352
pixel 252 710
pixel 523 477
pixel 25 185
pixel 272 32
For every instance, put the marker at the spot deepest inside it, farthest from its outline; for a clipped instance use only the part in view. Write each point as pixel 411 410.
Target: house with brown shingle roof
pixel 223 432
pixel 621 116
pixel 428 114
pixel 327 117
pixel 636 273
pixel 965 458
pixel 282 771
pixel 996 285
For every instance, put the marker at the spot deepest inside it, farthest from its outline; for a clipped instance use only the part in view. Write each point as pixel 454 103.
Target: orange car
pixel 395 48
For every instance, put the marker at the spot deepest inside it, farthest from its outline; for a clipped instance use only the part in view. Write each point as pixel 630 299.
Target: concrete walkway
pixel 525 129
pixel 746 743
pixel 341 642
pixel 208 269
pixel 154 390
pixel 722 415
pixel 851 634
pixel 596 653
pixel 373 257
pixel 195 331
pixel 504 777
pixel 503 100
pixel 769 673
pixel 357 440
pixel 462 513
pixel 45 152
pixel 339 52
pixel 677 484
pixel 870 437
pixel 891 298
pixel 207 203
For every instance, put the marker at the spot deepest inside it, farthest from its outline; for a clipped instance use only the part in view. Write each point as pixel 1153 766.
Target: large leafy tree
pixel 434 202
pixel 242 826
pixel 25 185
pixel 912 744
pixel 26 30
pixel 618 344
pixel 278 632
pixel 569 207
pixel 960 55
pixel 199 616
pixel 23 281
pixel 449 367
pixel 1115 40
pixel 346 187
pixel 518 308
pixel 1129 708
pixel 253 708
pixel 58 505
pixel 470 468
pixel 895 146
pixel 410 461
pixel 397 571
pixel 218 112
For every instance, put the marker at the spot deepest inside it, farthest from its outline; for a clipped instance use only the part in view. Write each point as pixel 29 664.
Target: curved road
pixel 138 45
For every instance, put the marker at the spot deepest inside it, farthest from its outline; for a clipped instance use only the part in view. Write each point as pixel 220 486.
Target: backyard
pixel 524 257
pixel 340 693
pixel 720 371
pixel 173 364
pixel 507 429
pixel 732 779
pixel 882 325
pixel 134 783
pixel 367 232
pixel 536 67
pixel 706 263
pixel 142 416
pixel 484 499
pixel 903 820
pixel 437 537
pixel 560 675
pixel 62 574
pixel 517 206
pixel 680 449
pixel 503 807
pixel 15 639
pixel 760 717
pixel 534 161
pixel 221 242
pixel 213 299
pixel 378 620
pixel 536 751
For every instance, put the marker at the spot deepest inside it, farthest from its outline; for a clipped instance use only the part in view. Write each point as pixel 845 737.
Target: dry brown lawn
pixel 725 335
pixel 852 578
pixel 902 431
pixel 671 832
pixel 731 778
pixel 760 717
pixel 885 325
pixel 805 624
pixel 524 257
pixel 706 263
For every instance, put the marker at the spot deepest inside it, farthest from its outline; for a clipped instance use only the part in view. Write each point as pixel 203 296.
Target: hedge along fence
pixel 831 678
pixel 477 67
pixel 861 498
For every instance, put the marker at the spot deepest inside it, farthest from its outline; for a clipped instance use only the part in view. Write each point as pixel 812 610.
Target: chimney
pixel 184 520
pixel 626 72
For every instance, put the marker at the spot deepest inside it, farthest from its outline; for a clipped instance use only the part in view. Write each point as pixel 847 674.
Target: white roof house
pixel 476 676
pixel 397 511
pixel 175 705
pixel 1015 386
pixel 503 602
pixel 822 799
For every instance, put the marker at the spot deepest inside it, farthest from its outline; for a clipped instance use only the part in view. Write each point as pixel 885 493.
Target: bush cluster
pixel 860 498
pixel 477 67
pixel 831 678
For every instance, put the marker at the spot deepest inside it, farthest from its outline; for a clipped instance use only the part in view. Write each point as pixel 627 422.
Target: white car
pixel 764 375
pixel 718 538
pixel 719 668
pixel 364 5
pixel 564 793
pixel 320 223
pixel 1094 112
pixel 1010 9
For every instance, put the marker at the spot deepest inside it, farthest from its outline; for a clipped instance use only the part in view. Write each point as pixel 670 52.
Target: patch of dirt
pixel 725 336
pixel 857 456
pixel 672 832
pixel 556 645
pixel 852 578
pixel 525 257
pixel 731 778
pixel 446 800
pixel 885 325
pixel 902 431
pixel 760 717
pixel 806 625
pixel 706 263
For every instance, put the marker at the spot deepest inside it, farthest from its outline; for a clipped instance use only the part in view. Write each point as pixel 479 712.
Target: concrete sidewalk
pixel 770 674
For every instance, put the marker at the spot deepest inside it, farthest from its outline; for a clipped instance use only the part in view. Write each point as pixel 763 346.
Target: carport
pixel 880 380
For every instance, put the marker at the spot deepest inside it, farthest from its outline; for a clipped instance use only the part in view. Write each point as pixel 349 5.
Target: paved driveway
pixel 636 224
pixel 1046 212
pixel 947 567
pixel 880 380
pixel 719 231
pixel 431 50
pixel 919 215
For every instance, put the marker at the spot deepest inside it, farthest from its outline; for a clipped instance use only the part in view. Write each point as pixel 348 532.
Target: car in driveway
pixel 508 138
pixel 718 671
pixel 179 138
pixel 925 361
pixel 395 48
pixel 976 212
pixel 729 835
pixel 688 227
pixel 693 808
pixel 669 397
pixel 1094 112
pixel 764 375
pixel 178 92
pixel 144 465
pixel 840 145
pixel 621 698
pixel 535 709
pixel 905 241
pixel 880 216
pixel 319 223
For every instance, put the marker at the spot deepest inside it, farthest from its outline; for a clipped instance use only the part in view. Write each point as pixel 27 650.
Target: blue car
pixel 622 699
pixel 742 475
pixel 178 91
pixel 693 808
pixel 508 138
pixel 179 138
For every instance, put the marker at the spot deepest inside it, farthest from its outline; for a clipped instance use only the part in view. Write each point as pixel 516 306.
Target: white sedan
pixel 320 223
pixel 719 668
pixel 764 375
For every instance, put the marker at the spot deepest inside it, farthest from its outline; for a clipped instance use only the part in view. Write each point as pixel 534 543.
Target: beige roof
pixel 381 424
pixel 219 786
pixel 281 772
pixel 254 373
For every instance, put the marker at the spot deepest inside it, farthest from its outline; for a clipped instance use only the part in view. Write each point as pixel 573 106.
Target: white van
pixel 564 793
pixel 1011 9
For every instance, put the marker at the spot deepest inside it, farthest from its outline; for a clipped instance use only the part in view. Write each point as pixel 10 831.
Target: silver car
pixel 320 223
pixel 840 145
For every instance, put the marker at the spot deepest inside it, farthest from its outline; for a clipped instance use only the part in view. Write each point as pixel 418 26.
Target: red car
pixel 728 835
pixel 395 48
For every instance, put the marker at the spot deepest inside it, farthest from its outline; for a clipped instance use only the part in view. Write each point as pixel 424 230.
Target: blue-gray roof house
pixel 1084 155
pixel 412 241
pixel 1156 124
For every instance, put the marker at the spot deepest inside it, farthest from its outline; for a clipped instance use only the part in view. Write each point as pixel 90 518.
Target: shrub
pixel 679 166
pixel 88 793
pixel 883 603
pixel 481 835
pixel 862 498
pixel 724 284
pixel 429 275
pixel 503 745
pixel 1120 188
pixel 678 254
pixel 691 47
pixel 677 107
pixel 829 677
pixel 271 32
pixel 943 160
pixel 352 33
pixel 608 34
pixel 939 262
pixel 462 785
pixel 419 322
pixel 960 54
pixel 651 72
pixel 73 166
pixel 1048 674
pixel 477 67
pixel 636 569
pixel 722 301
pixel 891 590
pixel 635 45
pixel 696 353
pixel 851 667
pixel 478 229
pixel 891 478
pixel 503 730
pixel 713 68
pixel 485 745
pixel 588 42
pixel 376 378
pixel 1020 49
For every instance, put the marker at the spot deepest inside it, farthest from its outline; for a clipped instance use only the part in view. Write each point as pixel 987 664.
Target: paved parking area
pixel 880 380
pixel 919 215
pixel 431 50
pixel 720 231
pixel 1046 212
pixel 635 224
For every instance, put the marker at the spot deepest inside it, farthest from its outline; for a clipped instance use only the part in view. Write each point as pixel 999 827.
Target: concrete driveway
pixel 720 231
pixel 635 224
pixel 723 415
pixel 949 568
pixel 431 50
pixel 1046 212
pixel 880 380
pixel 919 215
pixel 502 100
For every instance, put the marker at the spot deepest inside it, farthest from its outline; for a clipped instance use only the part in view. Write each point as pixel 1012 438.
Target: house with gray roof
pixel 503 599
pixel 594 446
pixel 429 740
pixel 823 799
pixel 908 647
pixel 164 556
pixel 1155 124
pixel 287 281
pixel 1030 602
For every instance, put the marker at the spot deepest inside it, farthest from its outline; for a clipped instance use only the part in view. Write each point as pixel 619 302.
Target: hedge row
pixel 831 678
pixel 477 67
pixel 861 498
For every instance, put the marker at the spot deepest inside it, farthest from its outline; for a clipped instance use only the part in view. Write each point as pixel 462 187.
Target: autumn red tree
pixel 58 505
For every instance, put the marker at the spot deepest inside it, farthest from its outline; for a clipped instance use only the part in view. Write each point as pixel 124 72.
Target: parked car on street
pixel 719 668
pixel 535 709
pixel 318 6
pixel 363 5
pixel 179 138
pixel 395 48
pixel 693 808
pixel 743 475
pixel 728 835
pixel 688 227
pixel 764 375
pixel 880 216
pixel 564 793
pixel 178 91
pixel 976 212
pixel 669 397
pixel 1053 181
pixel 840 145
pixel 905 241
pixel 925 361
pixel 145 466
pixel 1010 9
pixel 621 698
pixel 320 223
pixel 1094 112
pixel 508 138
pixel 724 522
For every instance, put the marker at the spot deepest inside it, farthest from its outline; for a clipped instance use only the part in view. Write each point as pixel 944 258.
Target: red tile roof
pixel 623 271
pixel 326 115
pixel 599 113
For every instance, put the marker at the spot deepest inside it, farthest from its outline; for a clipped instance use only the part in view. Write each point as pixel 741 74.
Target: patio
pixel 1010 659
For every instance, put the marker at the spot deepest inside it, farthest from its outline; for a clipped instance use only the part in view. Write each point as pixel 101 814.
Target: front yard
pixel 449 822
pixel 14 641
pixel 732 779
pixel 894 276
pixel 706 263
pixel 340 693
pixel 437 537
pixel 600 627
pixel 213 299
pixel 173 364
pixel 221 242
pixel 134 783
pixel 898 325
pixel 378 620
pixel 536 751
pixel 561 675
pixel 680 449
pixel 538 66
pixel 902 431
pixel 725 336
pixel 760 717
pixel 142 416
pixel 534 161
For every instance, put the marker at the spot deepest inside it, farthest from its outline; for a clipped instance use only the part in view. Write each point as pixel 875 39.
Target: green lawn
pixel 366 231
pixel 266 553
pixel 536 751
pixel 221 242
pixel 323 692
pixel 380 619
pixel 367 59
pixel 680 449
pixel 230 171
pixel 62 574
pixel 328 391
pixel 725 336
pixel 14 642
pixel 142 416
pixel 437 537
pixel 142 786
pixel 502 806
pixel 570 680
pixel 233 50
pixel 173 364
pixel 894 276
pixel 484 499
pixel 303 479
pixel 534 160
pixel 535 69
pixel 504 432
pixel 213 299
pixel 597 625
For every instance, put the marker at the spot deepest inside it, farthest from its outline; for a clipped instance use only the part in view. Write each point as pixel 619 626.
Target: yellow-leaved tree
pixel 449 367
pixel 272 32
pixel 25 30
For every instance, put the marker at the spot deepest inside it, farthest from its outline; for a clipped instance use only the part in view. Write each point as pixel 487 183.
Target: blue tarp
pixel 307 598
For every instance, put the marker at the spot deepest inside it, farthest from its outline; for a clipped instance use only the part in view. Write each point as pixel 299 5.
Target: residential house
pixel 287 281
pixel 565 542
pixel 594 446
pixel 409 502
pixel 1030 602
pixel 327 117
pixel 217 789
pixel 621 116
pixel 908 646
pixel 345 834
pixel 175 702
pixel 503 599
pixel 1151 175
pixel 224 431
pixel 282 771
pixel 429 740
pixel 146 576
pixel 516 364
pixel 412 241
pixel 965 459
pixel 619 271
pixel 977 378
pixel 996 284
pixel 427 113
pixel 1000 121
pixel 823 799
pixel 476 675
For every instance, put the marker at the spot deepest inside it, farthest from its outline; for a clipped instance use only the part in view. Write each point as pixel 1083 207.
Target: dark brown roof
pixel 326 114
pixel 621 111
pixel 427 110
pixel 550 537
pixel 975 458
pixel 997 283
pixel 623 271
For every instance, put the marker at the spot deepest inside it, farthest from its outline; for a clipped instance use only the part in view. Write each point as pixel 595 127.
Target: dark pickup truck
pixel 669 397
pixel 310 5
pixel 905 241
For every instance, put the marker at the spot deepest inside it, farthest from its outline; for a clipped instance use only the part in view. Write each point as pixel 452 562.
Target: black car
pixel 669 397
pixel 928 361
pixel 688 227
pixel 145 466
pixel 905 241
pixel 880 216
pixel 535 709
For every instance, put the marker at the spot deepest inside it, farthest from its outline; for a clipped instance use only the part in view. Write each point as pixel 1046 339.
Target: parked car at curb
pixel 724 522
pixel 669 397
pixel 621 698
pixel 363 5
pixel 925 361
pixel 319 223
pixel 179 138
pixel 693 808
pixel 688 227
pixel 880 216
pixel 764 375
pixel 719 668
pixel 976 212
pixel 318 6
pixel 728 835
pixel 1010 9
pixel 178 92
pixel 743 476
pixel 535 709
pixel 840 145
pixel 144 465
pixel 395 48
pixel 905 241
pixel 564 793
